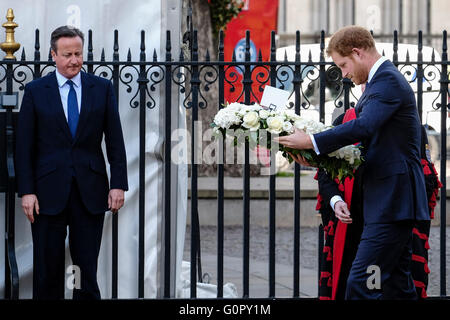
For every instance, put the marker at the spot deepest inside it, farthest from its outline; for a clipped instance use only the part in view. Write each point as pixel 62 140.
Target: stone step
pixel 259 204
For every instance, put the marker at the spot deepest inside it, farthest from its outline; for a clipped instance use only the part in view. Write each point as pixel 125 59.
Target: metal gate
pixel 193 78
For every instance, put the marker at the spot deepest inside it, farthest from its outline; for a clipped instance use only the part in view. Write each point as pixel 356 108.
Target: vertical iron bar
pixel 272 182
pixel 190 25
pixel 347 83
pixel 320 255
pixel 353 12
pixel 142 105
pixel 115 223
pixel 11 270
pixel 428 36
pixel 90 55
pixel 7 267
pixel 194 174
pixel 247 82
pixel 167 169
pixel 322 79
pixel 297 81
pixel 444 92
pixel 196 217
pixel 395 48
pixel 37 56
pixel 419 77
pixel 220 177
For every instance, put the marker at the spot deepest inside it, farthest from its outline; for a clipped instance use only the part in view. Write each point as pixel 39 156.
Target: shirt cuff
pixel 314 144
pixel 334 200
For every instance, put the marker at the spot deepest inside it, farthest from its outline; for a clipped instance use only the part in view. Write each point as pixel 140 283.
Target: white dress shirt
pixel 64 89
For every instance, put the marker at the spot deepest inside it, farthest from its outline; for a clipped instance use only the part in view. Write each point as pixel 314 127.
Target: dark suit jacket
pixel 389 128
pixel 47 157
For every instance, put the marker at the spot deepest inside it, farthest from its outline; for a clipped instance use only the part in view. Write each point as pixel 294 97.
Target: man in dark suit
pixel 61 170
pixel 394 195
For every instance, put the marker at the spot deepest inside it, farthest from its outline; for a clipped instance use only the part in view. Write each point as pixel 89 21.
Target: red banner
pixel 260 18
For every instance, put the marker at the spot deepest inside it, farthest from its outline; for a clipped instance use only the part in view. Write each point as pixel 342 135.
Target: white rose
pixel 288 127
pixel 291 115
pixel 332 154
pixel 251 121
pixel 300 124
pixel 219 119
pixel 275 124
pixel 263 114
pixel 235 106
pixel 322 127
pixel 256 106
pixel 315 127
pixel 247 108
pixel 243 111
pixel 226 118
pixel 350 160
pixel 348 154
pixel 312 127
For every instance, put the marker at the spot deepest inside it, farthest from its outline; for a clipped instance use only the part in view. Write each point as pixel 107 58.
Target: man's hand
pixel 298 140
pixel 341 212
pixel 29 205
pixel 300 160
pixel 116 198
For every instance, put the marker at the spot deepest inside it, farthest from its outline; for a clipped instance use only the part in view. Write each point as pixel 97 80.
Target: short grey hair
pixel 64 31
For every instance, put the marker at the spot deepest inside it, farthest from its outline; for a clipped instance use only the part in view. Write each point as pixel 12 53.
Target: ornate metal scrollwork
pixel 180 75
pixel 127 78
pixel 232 77
pixel 155 77
pixel 261 76
pixel 20 76
pixel 2 75
pixel 103 71
pixel 208 75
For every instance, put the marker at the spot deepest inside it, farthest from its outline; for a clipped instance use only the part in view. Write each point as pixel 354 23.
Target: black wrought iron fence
pixel 302 75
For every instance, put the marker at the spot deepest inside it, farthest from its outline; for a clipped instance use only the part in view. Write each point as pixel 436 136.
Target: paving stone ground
pixel 259 257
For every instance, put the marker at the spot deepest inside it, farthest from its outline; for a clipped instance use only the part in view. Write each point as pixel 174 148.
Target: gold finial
pixel 10 45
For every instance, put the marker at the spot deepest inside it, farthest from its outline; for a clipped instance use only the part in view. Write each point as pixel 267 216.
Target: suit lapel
pixel 54 101
pixel 87 87
pixel 359 105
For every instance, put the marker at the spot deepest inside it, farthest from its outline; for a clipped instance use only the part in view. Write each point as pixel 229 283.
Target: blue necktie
pixel 72 109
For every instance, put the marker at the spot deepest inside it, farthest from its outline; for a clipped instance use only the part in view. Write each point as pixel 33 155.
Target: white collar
pixel 62 80
pixel 375 67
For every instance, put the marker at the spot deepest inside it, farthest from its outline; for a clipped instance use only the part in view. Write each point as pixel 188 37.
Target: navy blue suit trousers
pixel 385 252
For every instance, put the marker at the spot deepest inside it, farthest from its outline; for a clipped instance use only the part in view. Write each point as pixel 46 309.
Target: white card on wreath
pixel 274 98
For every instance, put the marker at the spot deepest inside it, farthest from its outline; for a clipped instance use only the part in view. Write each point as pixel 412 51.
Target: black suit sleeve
pixel 25 147
pixel 115 147
pixel 328 188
